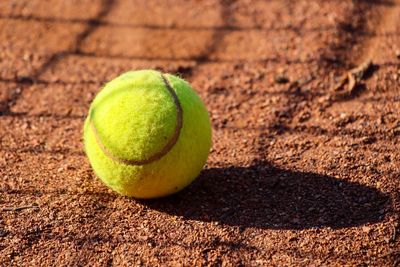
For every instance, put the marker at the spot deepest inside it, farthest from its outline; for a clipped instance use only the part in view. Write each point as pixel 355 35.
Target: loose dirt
pixel 299 174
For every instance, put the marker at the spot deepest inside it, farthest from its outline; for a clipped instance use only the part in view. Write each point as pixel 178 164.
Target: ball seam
pixel 167 147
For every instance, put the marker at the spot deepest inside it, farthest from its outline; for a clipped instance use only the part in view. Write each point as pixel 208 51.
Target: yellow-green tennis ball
pixel 147 134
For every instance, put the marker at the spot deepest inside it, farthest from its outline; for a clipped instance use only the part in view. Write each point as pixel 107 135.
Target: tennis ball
pixel 147 134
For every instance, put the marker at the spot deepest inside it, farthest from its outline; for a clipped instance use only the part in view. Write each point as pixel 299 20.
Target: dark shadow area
pixel 228 27
pixel 106 7
pixel 266 197
pixel 377 2
pixel 370 71
pixel 343 96
pixel 359 88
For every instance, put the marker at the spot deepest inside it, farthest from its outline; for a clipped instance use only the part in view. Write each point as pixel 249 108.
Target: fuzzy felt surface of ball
pixel 147 134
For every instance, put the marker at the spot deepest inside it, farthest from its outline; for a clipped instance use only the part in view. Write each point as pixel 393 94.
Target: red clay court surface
pixel 299 174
